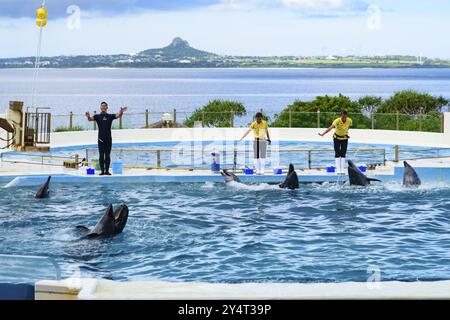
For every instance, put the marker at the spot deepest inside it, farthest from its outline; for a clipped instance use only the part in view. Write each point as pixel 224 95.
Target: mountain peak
pixel 178 42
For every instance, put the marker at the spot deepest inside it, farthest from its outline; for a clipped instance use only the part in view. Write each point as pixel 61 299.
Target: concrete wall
pixel 425 139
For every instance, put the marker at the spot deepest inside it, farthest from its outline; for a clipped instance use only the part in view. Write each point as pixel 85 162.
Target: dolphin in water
pixel 43 190
pixel 356 177
pixel 291 181
pixel 229 176
pixel 112 223
pixel 410 176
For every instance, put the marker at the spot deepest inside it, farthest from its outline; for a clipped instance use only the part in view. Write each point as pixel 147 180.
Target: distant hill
pixel 178 49
pixel 179 54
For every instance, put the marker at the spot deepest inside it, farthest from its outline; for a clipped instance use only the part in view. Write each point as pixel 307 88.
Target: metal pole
pixel 158 158
pixel 120 122
pixel 420 120
pixel 232 119
pixel 203 119
pixel 442 122
pixel 318 119
pixel 70 120
pixel 175 118
pixel 372 115
pixel 396 152
pixel 146 118
pixel 398 120
pixel 95 123
pixel 309 159
pixel 290 117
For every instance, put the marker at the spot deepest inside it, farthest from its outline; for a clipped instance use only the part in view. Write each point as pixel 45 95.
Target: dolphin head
pixel 120 217
pixel 291 169
pixel 229 176
pixel 410 176
pixel 44 189
pixel 291 181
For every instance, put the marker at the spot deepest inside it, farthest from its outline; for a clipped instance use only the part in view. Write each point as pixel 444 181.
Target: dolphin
pixel 356 177
pixel 229 176
pixel 43 190
pixel 410 177
pixel 291 181
pixel 112 223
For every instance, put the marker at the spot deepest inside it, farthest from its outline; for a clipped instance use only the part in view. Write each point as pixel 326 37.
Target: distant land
pixel 179 54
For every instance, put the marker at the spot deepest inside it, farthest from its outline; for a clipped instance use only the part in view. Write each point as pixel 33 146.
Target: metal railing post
pixel 372 116
pixel 318 119
pixel 396 153
pixel 442 122
pixel 95 123
pixel 146 118
pixel 158 158
pixel 290 117
pixel 398 121
pixel 71 120
pixel 175 117
pixel 420 120
pixel 309 159
pixel 203 119
pixel 232 119
pixel 120 121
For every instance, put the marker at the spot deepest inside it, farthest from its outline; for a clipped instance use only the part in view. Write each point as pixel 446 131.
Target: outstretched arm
pixel 120 113
pixel 246 133
pixel 268 136
pixel 326 131
pixel 88 116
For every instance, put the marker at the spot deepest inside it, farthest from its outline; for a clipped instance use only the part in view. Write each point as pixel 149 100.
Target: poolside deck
pixel 92 289
pixel 17 175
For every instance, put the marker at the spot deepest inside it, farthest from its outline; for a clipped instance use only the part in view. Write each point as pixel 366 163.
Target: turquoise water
pixel 236 233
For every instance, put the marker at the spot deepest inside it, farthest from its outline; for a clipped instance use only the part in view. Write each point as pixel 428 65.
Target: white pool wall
pixel 409 138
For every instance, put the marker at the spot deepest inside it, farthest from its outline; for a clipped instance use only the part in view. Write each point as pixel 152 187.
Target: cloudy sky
pixel 238 27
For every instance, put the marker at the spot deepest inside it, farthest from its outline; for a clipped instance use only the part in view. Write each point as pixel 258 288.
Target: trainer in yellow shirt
pixel 260 131
pixel 340 138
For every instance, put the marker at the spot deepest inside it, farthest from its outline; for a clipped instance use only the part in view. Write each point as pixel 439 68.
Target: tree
pixel 413 102
pixel 305 114
pixel 217 113
pixel 370 103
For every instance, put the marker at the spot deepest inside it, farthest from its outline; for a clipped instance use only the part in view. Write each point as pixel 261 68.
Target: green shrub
pixel 217 113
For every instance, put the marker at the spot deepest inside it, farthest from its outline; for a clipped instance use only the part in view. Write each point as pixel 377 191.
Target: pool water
pixel 237 233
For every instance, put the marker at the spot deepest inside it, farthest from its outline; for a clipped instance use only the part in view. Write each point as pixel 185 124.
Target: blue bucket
pixel 277 171
pixel 331 169
pixel 362 168
pixel 248 171
pixel 90 171
pixel 117 167
pixel 215 167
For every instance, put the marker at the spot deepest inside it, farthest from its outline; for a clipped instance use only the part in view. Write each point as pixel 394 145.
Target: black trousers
pixel 340 148
pixel 104 149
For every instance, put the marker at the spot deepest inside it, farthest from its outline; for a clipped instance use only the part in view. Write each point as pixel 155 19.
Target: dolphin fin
pixel 82 228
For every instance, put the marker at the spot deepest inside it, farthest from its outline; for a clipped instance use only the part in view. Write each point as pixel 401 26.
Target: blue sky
pixel 239 27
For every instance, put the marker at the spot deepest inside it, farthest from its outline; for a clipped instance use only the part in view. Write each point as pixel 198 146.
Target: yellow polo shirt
pixel 342 128
pixel 259 129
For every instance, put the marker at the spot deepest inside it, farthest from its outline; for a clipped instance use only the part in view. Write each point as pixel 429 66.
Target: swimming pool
pixel 237 233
